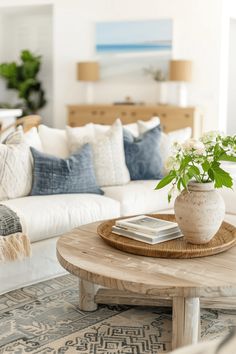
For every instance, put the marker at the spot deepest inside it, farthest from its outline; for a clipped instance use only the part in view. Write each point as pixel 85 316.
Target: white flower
pixel 194 145
pixel 172 163
pixel 176 147
pixel 210 137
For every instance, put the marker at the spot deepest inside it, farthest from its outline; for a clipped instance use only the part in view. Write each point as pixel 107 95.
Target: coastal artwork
pixel 126 48
pixel 134 36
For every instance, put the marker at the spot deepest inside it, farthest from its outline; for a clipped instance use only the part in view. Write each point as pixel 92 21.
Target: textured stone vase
pixel 199 212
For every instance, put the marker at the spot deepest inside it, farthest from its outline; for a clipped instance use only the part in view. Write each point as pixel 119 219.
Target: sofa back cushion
pixel 53 175
pixel 108 153
pixel 142 154
pixel 15 167
pixel 54 141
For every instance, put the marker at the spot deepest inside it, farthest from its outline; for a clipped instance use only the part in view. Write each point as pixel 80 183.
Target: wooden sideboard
pixel 172 117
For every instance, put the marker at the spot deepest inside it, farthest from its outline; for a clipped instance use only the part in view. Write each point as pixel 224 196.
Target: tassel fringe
pixel 14 247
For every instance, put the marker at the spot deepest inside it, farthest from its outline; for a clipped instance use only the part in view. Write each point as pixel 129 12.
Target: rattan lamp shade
pixel 88 71
pixel 180 70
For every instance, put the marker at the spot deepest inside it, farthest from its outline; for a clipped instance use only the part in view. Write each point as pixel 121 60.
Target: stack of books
pixel 147 229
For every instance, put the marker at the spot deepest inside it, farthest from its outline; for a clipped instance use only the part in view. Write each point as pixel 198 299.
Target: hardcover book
pixel 146 238
pixel 148 225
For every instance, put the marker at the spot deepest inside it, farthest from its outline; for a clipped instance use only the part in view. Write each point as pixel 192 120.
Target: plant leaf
pixel 225 157
pixel 166 180
pixel 222 178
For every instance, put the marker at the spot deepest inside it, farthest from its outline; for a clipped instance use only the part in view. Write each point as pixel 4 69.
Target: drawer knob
pixel 94 112
pixel 133 113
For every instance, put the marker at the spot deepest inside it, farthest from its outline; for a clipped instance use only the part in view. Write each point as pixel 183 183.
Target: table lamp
pixel 88 72
pixel 180 71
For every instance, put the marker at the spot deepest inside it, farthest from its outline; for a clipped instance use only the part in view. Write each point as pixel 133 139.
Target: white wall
pixel 228 13
pixel 231 116
pixel 197 26
pixel 28 28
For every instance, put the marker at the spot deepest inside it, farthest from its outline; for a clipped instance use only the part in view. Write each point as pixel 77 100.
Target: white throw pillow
pixel 108 154
pixel 15 167
pixel 132 128
pixel 32 139
pixel 79 136
pixel 54 141
pixel 180 135
pixel 144 126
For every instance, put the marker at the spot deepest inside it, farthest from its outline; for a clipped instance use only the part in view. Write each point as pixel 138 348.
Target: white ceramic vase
pixel 199 212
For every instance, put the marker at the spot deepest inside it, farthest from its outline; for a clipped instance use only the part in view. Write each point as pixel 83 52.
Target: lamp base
pixel 89 89
pixel 182 95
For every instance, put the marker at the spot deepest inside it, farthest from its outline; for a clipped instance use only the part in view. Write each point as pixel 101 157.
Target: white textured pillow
pixel 180 135
pixel 144 126
pixel 108 154
pixel 15 167
pixel 32 139
pixel 132 128
pixel 54 141
pixel 79 136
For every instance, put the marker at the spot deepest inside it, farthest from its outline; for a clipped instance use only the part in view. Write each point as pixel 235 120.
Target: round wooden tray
pixel 223 240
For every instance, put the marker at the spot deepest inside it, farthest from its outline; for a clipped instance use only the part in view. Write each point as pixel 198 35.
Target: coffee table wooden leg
pixel 185 326
pixel 87 292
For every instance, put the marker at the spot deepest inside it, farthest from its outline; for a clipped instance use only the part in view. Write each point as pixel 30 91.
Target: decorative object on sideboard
pixel 180 71
pixel 159 76
pixel 195 170
pixel 88 72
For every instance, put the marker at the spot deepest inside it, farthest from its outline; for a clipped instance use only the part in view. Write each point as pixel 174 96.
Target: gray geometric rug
pixel 44 318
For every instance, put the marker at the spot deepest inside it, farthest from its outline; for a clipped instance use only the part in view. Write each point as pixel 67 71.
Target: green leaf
pixel 206 165
pixel 184 180
pixel 184 162
pixel 225 157
pixel 194 170
pixel 222 178
pixel 179 184
pixel 166 180
pixel 211 174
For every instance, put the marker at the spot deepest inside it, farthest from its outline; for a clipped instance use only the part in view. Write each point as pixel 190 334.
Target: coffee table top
pixel 83 253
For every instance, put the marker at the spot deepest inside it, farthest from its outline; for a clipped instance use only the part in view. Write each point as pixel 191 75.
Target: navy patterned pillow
pixel 142 154
pixel 53 175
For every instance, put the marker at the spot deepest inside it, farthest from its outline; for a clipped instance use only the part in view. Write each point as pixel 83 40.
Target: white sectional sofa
pixel 48 217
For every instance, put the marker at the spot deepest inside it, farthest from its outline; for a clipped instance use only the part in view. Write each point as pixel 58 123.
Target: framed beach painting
pixel 126 48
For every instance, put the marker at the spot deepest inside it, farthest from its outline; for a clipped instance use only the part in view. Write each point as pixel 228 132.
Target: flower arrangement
pixel 200 160
pixel 156 74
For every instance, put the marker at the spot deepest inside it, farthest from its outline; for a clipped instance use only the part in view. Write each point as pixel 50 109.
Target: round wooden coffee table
pixel 139 280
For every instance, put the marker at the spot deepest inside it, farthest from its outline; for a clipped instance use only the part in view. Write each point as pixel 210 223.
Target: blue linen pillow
pixel 53 175
pixel 142 154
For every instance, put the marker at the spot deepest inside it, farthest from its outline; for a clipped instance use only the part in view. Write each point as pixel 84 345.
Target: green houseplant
pixel 23 78
pixel 195 171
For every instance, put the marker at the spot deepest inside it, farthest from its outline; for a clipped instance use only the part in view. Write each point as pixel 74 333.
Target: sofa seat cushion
pixel 49 216
pixel 139 197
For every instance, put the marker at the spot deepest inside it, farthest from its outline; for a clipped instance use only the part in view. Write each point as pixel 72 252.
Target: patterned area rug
pixel 44 318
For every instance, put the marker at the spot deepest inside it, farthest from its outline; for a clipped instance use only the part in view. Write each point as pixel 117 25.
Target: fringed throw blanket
pixel 14 243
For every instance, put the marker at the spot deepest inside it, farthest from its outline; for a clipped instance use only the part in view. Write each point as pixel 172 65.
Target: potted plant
pixel 195 171
pixel 23 78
